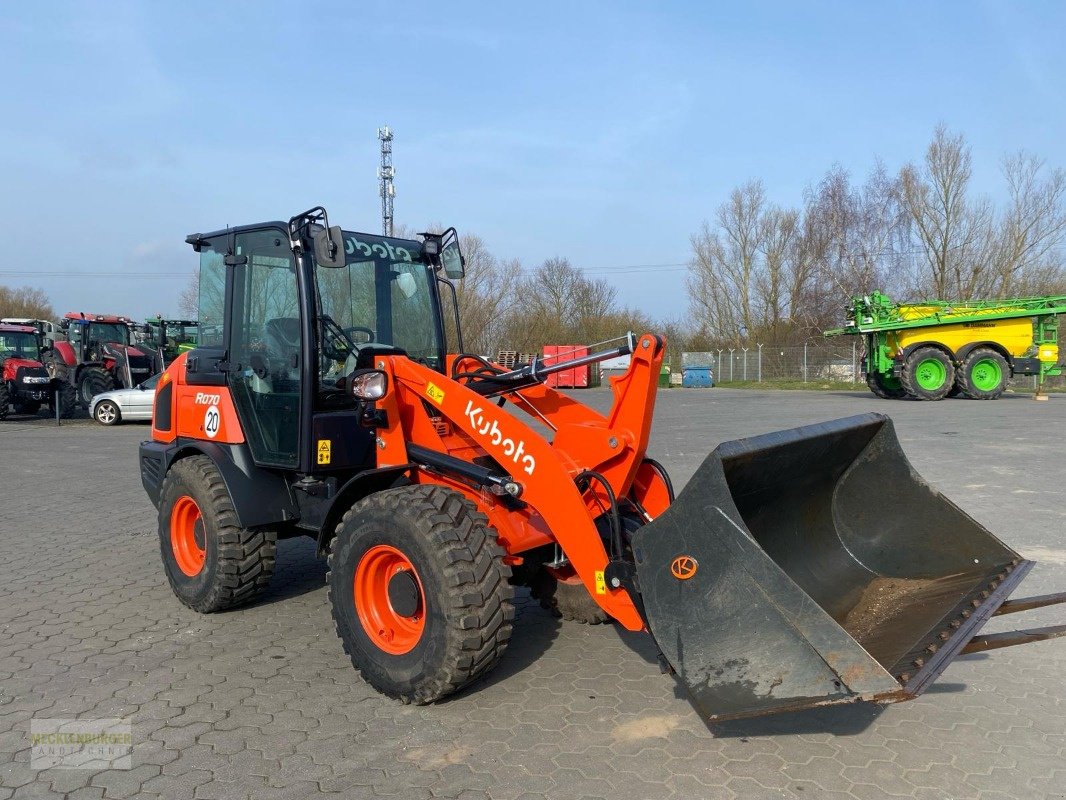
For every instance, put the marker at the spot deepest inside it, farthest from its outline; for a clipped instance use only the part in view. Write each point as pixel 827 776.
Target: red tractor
pixel 95 357
pixel 24 382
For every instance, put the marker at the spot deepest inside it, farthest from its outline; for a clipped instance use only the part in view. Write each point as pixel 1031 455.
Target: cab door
pixel 265 346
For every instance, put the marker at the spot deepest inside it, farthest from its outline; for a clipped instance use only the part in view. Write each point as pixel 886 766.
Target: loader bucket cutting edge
pixel 814 566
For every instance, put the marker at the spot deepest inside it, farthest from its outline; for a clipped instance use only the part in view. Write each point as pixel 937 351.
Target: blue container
pixel 697 378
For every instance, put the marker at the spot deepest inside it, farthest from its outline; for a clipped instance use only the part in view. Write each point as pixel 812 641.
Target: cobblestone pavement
pixel 262 703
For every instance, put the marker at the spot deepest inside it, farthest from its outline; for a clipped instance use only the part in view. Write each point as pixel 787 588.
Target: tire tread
pixel 476 580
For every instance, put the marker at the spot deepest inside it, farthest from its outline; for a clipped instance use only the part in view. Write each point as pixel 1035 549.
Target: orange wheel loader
pixel 802 568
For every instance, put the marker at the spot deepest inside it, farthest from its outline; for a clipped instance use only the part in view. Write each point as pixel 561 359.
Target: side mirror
pixel 329 247
pixel 451 256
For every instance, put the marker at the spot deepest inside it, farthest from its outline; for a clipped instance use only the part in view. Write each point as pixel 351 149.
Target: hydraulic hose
pixel 615 515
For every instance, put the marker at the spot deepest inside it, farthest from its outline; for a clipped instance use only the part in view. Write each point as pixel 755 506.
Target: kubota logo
pixel 683 567
pixel 514 451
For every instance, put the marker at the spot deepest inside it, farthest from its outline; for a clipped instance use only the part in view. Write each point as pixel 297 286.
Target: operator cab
pixel 19 341
pixel 288 310
pixel 88 335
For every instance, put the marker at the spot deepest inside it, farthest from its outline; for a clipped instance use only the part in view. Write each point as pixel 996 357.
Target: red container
pixel 574 378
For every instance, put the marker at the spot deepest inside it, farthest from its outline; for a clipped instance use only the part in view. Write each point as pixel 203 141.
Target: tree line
pixel 763 272
pixel 25 302
pixel 773 274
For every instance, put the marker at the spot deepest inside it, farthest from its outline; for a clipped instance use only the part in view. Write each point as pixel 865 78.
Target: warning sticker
pixel 323 451
pixel 601 584
pixel 434 393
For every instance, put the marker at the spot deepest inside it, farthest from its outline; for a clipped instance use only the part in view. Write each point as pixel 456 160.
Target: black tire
pixel 238 562
pixel 93 381
pixel 876 382
pixel 462 591
pixel 107 413
pixel 910 379
pixel 5 400
pixel 571 601
pixel 68 401
pixel 967 381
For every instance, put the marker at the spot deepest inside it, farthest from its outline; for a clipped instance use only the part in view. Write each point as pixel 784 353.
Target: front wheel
pixel 106 413
pixel 928 374
pixel 210 561
pixel 94 381
pixel 419 592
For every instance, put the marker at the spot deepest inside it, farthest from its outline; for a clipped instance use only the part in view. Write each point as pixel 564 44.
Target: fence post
pixel 731 364
pixel 760 363
pixel 804 362
pixel 745 362
pixel 720 376
pixel 854 363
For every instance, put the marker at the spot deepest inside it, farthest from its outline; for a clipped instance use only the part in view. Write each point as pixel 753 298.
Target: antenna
pixel 385 176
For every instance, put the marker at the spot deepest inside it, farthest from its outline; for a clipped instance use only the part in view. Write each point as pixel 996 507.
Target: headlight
pixel 368 384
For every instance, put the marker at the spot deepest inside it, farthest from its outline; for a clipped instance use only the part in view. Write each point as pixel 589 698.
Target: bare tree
pixel 1032 231
pixel 25 301
pixel 722 274
pixel 189 296
pixel 954 235
pixel 485 295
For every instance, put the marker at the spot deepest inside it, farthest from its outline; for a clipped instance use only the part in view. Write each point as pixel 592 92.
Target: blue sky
pixel 603 132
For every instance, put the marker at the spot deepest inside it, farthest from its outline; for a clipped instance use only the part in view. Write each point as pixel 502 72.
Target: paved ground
pixel 261 702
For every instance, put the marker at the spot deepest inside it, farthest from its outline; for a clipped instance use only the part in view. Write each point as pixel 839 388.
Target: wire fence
pixel 814 362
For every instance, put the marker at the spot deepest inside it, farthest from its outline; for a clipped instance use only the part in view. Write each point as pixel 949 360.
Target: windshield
pixel 384 294
pixel 109 332
pixel 18 344
pixel 181 332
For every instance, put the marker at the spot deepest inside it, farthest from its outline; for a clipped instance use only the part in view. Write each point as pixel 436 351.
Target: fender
pixel 259 496
pixel 905 353
pixel 362 485
pixel 65 352
pixel 966 349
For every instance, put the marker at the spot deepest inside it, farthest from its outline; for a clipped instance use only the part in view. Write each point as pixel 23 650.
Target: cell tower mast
pixel 385 176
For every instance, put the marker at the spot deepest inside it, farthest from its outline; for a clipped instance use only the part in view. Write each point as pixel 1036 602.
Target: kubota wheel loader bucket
pixel 813 566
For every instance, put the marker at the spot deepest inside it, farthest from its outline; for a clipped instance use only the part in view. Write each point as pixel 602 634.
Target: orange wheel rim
pixel 389 628
pixel 187 536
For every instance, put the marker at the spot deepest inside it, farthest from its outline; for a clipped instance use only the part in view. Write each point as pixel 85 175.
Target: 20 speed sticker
pixel 212 421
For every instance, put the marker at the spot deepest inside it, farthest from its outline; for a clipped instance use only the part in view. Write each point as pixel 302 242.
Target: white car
pixel 124 405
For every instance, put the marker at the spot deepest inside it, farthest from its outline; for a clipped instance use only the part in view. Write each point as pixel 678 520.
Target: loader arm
pixel 428 410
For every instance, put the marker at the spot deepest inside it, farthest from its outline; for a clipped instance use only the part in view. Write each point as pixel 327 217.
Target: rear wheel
pixel 419 592
pixel 5 400
pixel 983 375
pixel 94 381
pixel 928 374
pixel 567 598
pixel 106 413
pixel 885 386
pixel 211 562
